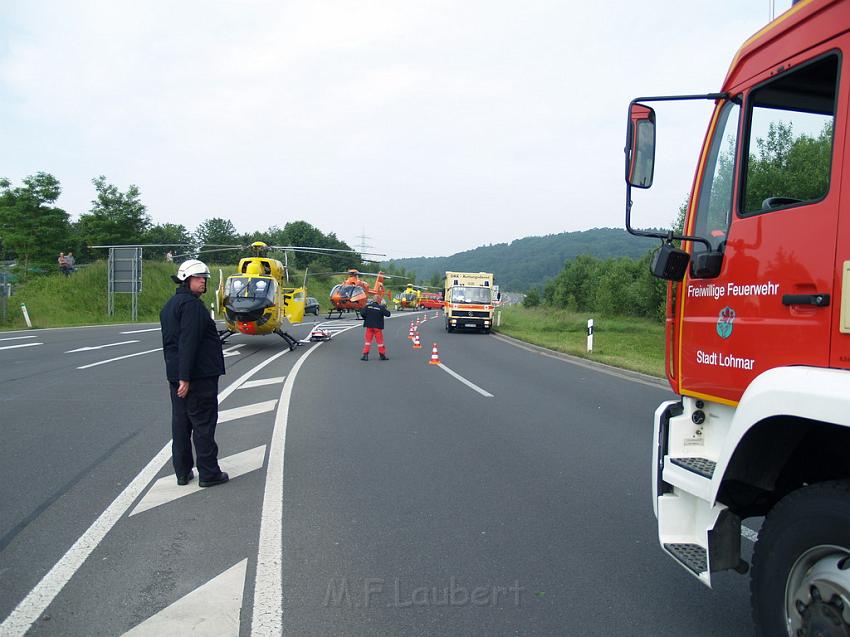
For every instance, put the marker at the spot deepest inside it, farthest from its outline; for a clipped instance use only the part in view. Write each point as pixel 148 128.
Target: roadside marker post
pixel 589 335
pixel 26 315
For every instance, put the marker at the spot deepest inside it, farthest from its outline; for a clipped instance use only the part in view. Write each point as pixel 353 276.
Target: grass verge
pixel 626 342
pixel 54 300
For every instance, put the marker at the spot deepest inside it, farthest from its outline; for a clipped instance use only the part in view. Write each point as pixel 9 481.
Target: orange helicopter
pixel 353 293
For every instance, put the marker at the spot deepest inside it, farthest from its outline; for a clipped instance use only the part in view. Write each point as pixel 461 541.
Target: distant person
pixel 71 261
pixel 373 320
pixel 169 256
pixel 193 364
pixel 63 264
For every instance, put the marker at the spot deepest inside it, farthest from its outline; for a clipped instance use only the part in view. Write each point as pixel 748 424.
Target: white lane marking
pixel 21 345
pixel 16 338
pixel 151 329
pixel 93 347
pixel 248 410
pixel 465 382
pixel 748 533
pixel 231 351
pixel 75 327
pixel 167 490
pixel 263 381
pixel 267 619
pixel 112 360
pixel 211 609
pixel 39 598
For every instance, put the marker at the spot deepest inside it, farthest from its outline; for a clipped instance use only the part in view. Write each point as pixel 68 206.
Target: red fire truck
pixel 758 326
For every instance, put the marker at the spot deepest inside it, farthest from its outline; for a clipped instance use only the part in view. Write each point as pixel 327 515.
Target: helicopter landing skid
pixel 223 335
pixel 289 340
pixel 338 313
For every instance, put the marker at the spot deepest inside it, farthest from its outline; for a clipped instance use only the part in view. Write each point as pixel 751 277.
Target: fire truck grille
pixel 700 466
pixel 691 555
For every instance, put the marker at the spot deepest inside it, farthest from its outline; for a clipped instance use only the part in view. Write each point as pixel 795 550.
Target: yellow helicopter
pixel 410 297
pixel 256 299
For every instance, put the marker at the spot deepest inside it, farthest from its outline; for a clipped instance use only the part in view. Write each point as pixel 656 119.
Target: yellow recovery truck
pixel 469 300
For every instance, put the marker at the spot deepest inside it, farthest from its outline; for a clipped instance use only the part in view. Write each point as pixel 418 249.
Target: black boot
pixel 365 357
pixel 384 357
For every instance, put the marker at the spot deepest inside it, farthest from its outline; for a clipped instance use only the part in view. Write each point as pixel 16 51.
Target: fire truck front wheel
pixel 801 564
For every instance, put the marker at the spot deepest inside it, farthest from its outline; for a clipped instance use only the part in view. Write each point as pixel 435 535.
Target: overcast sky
pixel 431 126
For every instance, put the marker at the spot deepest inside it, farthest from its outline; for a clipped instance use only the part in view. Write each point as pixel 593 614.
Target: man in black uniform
pixel 193 363
pixel 373 320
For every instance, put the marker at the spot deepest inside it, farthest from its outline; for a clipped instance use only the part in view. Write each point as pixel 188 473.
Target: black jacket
pixel 190 340
pixel 373 315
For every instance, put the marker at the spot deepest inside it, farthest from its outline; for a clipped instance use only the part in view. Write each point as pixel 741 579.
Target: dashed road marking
pixel 211 609
pixel 262 381
pixel 231 351
pixel 227 415
pixel 150 329
pixel 94 347
pixel 118 358
pixel 466 382
pixel 16 338
pixel 167 490
pixel 748 533
pixel 21 345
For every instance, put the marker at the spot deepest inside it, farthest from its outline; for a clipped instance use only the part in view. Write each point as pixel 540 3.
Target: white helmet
pixel 192 267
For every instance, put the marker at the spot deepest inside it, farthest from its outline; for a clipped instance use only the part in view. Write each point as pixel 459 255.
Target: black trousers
pixel 195 418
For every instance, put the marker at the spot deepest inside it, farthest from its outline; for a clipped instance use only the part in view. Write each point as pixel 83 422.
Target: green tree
pixel 532 299
pixel 215 232
pixel 115 217
pixel 29 227
pixel 175 236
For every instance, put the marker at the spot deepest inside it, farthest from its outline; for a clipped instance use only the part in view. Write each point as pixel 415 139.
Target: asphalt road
pixel 368 498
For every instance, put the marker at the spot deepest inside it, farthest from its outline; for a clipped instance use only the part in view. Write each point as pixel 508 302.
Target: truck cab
pixel 758 326
pixel 469 301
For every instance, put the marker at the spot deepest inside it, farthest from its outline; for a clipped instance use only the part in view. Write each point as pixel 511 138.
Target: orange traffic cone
pixel 416 344
pixel 435 356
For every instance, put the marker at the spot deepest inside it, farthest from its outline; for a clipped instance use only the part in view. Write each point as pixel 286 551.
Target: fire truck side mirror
pixel 669 263
pixel 707 265
pixel 640 146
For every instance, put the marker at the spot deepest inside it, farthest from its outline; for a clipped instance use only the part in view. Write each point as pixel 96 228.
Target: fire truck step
pixel 691 555
pixel 700 466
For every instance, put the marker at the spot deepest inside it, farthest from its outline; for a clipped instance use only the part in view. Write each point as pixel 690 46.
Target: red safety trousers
pixel 378 335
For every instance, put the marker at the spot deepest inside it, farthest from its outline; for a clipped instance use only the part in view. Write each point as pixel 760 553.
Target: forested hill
pixel 530 261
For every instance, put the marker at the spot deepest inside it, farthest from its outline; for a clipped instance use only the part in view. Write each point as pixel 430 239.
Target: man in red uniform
pixel 373 320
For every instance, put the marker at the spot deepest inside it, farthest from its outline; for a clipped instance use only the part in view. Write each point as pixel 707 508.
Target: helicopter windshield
pixel 250 288
pixel 462 294
pixel 347 291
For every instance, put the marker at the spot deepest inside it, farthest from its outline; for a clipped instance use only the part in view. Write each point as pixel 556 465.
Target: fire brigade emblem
pixel 724 322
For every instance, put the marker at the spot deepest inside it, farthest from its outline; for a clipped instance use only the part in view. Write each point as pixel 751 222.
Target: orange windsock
pixel 435 356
